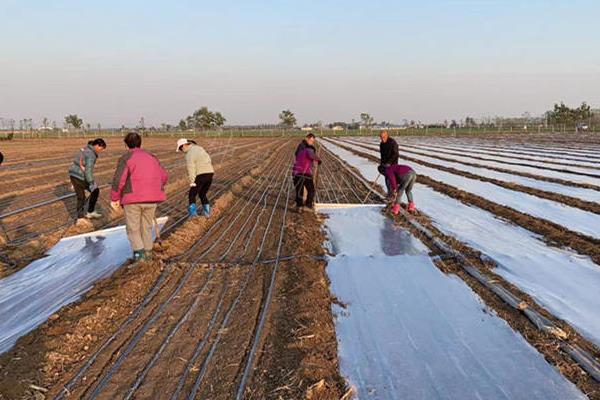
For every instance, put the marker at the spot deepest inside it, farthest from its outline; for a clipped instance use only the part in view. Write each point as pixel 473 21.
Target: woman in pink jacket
pixel 138 186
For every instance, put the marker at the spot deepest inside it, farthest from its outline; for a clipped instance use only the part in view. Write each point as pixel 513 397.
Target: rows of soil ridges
pixel 28 234
pixel 235 305
pixel 238 305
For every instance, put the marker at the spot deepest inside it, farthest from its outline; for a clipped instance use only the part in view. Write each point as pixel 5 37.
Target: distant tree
pixel 287 118
pixel 218 119
pixel 45 122
pixel 74 121
pixel 366 120
pixel 470 122
pixel 202 118
pixel 562 114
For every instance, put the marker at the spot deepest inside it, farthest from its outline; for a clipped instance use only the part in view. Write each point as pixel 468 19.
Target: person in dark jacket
pixel 81 174
pixel 402 178
pixel 388 149
pixel 302 172
pixel 388 154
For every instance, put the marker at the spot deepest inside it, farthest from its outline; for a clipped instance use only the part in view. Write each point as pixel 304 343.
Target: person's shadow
pixel 5 238
pixel 396 240
pixel 62 191
pixel 94 248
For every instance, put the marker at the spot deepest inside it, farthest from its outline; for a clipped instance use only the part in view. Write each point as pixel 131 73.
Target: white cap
pixel 181 142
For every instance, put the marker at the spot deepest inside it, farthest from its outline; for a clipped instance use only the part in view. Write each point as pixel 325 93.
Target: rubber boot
pixel 139 255
pixel 412 207
pixel 396 209
pixel 192 211
pixel 206 210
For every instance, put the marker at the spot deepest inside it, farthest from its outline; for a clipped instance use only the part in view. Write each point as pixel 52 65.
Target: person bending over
pixel 402 178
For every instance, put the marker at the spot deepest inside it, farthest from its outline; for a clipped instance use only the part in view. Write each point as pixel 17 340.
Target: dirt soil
pixel 199 319
pixel 299 358
pixel 44 357
pixel 34 239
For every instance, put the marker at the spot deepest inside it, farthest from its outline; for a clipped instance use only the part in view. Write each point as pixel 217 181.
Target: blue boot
pixel 192 210
pixel 206 210
pixel 139 255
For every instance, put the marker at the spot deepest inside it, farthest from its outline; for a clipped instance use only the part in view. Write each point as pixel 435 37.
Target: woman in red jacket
pixel 401 178
pixel 138 186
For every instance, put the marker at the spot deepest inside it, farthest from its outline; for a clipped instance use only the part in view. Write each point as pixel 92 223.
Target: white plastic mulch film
pixel 408 331
pixel 523 258
pixel 31 295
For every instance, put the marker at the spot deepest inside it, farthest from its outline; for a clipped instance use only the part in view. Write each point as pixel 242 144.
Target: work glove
pixel 115 205
pixel 93 186
pixel 193 184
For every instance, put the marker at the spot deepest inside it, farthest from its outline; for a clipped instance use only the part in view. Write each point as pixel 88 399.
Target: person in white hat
pixel 200 174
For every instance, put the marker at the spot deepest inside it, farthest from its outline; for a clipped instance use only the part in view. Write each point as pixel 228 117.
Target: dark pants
pixel 406 185
pixel 80 188
pixel 301 182
pixel 203 182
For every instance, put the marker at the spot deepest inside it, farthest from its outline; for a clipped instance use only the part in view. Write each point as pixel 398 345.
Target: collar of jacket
pixel 92 149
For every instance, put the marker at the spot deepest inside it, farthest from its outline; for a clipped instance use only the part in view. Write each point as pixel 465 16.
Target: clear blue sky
pixel 114 61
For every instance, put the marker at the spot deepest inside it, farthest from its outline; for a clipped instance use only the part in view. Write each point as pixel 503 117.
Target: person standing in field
pixel 138 186
pixel 302 172
pixel 81 173
pixel 200 174
pixel 401 178
pixel 388 154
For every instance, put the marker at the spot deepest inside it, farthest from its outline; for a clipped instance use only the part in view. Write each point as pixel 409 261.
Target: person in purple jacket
pixel 401 178
pixel 302 172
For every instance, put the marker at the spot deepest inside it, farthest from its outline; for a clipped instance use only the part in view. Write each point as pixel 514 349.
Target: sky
pixel 112 62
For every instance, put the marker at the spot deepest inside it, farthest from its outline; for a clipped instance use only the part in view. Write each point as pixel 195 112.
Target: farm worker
pixel 388 154
pixel 402 178
pixel 200 174
pixel 302 172
pixel 388 149
pixel 138 185
pixel 81 173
